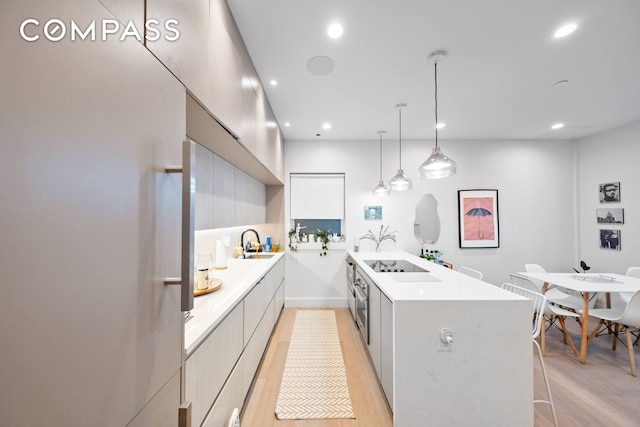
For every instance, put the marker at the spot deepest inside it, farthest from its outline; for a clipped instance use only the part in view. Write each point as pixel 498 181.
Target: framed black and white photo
pixel 373 212
pixel 610 216
pixel 610 192
pixel 610 239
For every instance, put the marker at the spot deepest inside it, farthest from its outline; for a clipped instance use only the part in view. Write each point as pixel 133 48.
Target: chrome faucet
pixel 257 237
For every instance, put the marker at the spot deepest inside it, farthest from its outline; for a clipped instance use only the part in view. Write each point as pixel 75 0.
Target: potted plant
pixel 325 238
pixel 292 243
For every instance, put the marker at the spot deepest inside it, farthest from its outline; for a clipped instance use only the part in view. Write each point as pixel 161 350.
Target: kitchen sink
pixel 259 255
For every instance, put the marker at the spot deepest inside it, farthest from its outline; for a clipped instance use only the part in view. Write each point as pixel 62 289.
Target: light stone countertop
pixel 450 284
pixel 240 276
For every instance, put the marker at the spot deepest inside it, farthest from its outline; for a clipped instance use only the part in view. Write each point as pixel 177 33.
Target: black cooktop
pixel 393 266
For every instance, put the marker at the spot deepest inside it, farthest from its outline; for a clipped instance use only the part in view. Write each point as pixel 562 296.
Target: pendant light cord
pixel 380 157
pixel 436 96
pixel 400 134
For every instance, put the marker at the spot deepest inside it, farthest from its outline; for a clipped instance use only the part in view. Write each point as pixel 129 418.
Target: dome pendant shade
pixel 381 190
pixel 400 182
pixel 437 166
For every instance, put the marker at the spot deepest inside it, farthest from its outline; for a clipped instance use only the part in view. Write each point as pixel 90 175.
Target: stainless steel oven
pixel 351 292
pixel 362 304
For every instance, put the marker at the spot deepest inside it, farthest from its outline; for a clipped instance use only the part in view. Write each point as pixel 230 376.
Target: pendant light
pixel 381 189
pixel 400 182
pixel 437 165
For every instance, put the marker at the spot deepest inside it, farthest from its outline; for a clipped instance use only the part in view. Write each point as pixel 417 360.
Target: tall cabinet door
pixel 90 227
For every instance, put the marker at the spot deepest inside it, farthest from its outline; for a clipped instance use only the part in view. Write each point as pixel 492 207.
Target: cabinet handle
pixel 188 224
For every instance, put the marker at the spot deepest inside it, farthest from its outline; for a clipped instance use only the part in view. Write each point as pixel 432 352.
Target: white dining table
pixel 587 284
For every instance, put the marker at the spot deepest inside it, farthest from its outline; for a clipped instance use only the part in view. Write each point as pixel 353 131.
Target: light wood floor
pixel 600 393
pixel 368 403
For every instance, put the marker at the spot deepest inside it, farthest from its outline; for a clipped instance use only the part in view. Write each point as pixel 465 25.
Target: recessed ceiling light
pixel 287 124
pixel 440 125
pixel 326 126
pixel 335 31
pixel 273 83
pixel 557 126
pixel 565 30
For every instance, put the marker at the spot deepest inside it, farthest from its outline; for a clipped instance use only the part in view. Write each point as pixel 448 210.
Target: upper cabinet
pixel 225 68
pixel 188 56
pixel 211 60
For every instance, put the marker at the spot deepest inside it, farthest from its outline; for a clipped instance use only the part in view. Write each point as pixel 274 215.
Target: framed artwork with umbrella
pixel 478 222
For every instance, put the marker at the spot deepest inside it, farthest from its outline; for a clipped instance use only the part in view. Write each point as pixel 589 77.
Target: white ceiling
pixel 496 83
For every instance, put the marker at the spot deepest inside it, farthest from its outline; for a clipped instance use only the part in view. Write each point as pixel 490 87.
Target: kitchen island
pixel 448 349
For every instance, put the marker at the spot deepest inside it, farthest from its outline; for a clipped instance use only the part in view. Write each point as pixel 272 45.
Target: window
pixel 317 201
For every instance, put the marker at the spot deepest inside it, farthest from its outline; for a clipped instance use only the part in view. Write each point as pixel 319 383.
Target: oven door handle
pixel 359 293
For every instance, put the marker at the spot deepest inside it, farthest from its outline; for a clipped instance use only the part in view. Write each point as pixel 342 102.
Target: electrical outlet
pixel 445 341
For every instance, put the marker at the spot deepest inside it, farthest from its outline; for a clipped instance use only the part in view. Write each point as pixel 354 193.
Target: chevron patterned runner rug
pixel 314 382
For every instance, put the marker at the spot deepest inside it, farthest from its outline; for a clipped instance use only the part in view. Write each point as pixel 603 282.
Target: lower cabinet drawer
pixel 209 366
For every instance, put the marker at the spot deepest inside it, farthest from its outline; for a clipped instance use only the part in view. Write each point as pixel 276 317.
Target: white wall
pixel 610 157
pixel 535 179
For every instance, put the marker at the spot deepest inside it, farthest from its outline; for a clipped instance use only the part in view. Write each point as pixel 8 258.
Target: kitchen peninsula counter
pixel 238 279
pixel 484 377
pixel 450 284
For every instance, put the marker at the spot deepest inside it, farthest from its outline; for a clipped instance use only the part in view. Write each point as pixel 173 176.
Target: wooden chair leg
pixel 632 359
pixel 595 331
pixel 567 337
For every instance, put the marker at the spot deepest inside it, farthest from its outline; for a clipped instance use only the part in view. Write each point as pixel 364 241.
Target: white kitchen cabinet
pixel 87 127
pixel 223 193
pixel 254 304
pixel 279 299
pixel 257 202
pixel 205 189
pixel 256 301
pixel 249 106
pixel 241 198
pixel 374 326
pixel 225 68
pixel 386 347
pixel 188 56
pixel 231 396
pixel 251 324
pixel 269 149
pixel 208 367
pixel 249 200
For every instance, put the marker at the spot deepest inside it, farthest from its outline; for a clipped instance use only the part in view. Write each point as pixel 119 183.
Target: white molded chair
pixel 628 317
pixel 633 272
pixel 554 295
pixel 539 302
pixel 470 272
pixel 551 313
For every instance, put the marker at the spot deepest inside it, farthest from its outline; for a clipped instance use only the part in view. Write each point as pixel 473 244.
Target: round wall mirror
pixel 426 226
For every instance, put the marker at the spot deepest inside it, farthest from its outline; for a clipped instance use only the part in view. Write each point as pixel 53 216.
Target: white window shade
pixel 317 196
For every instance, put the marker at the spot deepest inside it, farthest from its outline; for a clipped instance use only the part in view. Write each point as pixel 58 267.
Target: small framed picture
pixel 610 216
pixel 610 239
pixel 610 192
pixel 373 212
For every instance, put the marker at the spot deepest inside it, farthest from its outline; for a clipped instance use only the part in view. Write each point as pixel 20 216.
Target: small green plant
pixel 292 245
pixel 325 238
